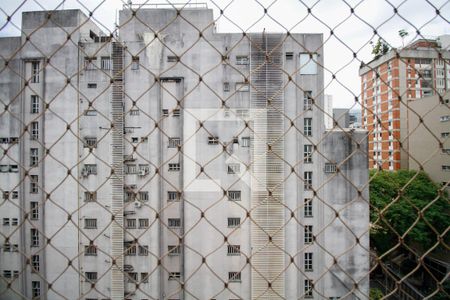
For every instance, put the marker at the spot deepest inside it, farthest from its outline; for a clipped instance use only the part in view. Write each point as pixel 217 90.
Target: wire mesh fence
pixel 191 150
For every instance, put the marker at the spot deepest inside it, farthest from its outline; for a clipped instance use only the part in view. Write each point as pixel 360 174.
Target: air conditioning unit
pixel 128 268
pixel 137 204
pixel 143 172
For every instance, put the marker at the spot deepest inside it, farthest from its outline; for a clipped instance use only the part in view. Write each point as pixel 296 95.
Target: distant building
pixel 429 137
pixel 153 166
pixel 341 117
pixel 388 84
pixel 354 120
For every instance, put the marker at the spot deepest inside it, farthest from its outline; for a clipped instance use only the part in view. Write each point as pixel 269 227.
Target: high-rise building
pixel 175 162
pixel 388 84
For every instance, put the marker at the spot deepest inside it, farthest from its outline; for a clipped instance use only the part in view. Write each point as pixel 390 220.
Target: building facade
pixel 433 130
pixel 388 84
pixel 175 162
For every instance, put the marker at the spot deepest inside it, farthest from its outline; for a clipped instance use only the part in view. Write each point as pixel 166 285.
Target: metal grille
pixel 191 150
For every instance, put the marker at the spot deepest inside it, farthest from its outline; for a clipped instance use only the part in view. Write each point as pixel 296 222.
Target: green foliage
pixel 407 200
pixel 375 294
pixel 380 48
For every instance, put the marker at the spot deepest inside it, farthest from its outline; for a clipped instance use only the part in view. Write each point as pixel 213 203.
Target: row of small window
pixel 13 194
pixel 10 221
pixel 445 118
pixel 9 140
pixel 90 223
pixel 214 140
pixel 131 249
pixel 9 168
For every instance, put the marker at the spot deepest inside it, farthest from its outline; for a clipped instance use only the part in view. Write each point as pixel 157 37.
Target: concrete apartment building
pixel 433 131
pixel 389 84
pixel 174 162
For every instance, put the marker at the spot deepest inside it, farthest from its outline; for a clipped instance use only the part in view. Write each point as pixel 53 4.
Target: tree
pixel 380 48
pixel 403 33
pixel 406 204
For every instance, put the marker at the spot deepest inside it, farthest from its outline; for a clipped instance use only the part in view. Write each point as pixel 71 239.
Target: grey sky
pixel 351 29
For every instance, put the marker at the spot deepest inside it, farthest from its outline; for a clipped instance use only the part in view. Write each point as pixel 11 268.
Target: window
pixel 307 126
pixel 91 276
pixel 234 276
pixel 174 250
pixel 308 180
pixel 234 222
pixel 134 112
pixel 35 70
pixel 131 223
pixel 105 63
pixel 226 86
pixel 242 60
pixel 308 237
pixel 233 250
pixel 130 248
pixel 90 223
pixel 90 250
pixel 308 261
pixel 14 222
pixel 445 118
pixel 91 85
pixel 143 223
pixel 34 181
pixel 132 277
pixel 143 250
pixel 130 196
pixel 6 221
pixel 308 64
pixel 307 153
pixel 130 169
pixel 289 55
pixel 34 210
pixel 34 157
pixel 245 141
pixel 172 58
pixel 7 273
pixel 242 87
pixel 446 168
pixel 174 223
pixel 13 168
pixel 234 168
pixel 174 167
pixel 445 134
pixel 4 168
pixel 308 288
pixel 89 169
pixel 90 196
pixel 89 63
pixel 35 263
pixel 307 100
pixel 234 195
pixel 34 108
pixel 173 196
pixel 165 112
pixel 34 130
pixel 35 289
pixel 34 237
pixel 174 142
pixel 135 63
pixel 90 142
pixel 143 196
pixel 174 275
pixel 308 210
pixel 213 140
pixel 330 168
pixel 144 277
